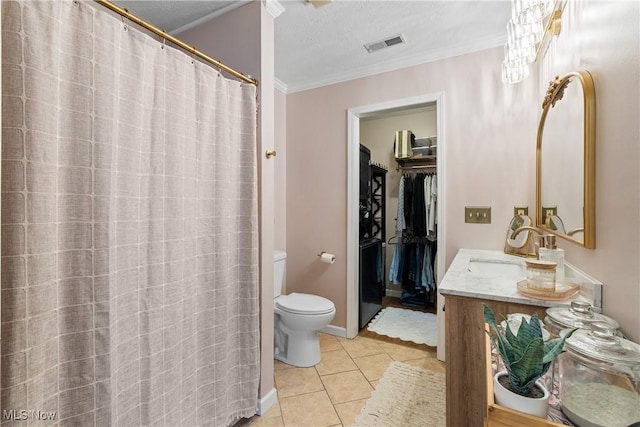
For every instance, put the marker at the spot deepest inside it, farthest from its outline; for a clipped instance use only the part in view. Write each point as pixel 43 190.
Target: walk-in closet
pixel 401 217
pixel 413 246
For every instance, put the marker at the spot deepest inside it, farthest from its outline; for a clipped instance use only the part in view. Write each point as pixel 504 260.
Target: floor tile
pixel 401 353
pixel 428 363
pixel 359 347
pixel 291 382
pixel 274 411
pixel 279 366
pixel 335 361
pixel 334 392
pixel 349 411
pixel 347 386
pixel 311 409
pixel 263 421
pixel 328 343
pixel 373 366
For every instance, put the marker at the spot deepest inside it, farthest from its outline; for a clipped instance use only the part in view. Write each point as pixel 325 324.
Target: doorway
pixel 354 115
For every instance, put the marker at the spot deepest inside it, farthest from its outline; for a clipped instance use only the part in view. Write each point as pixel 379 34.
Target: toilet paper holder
pixel 326 257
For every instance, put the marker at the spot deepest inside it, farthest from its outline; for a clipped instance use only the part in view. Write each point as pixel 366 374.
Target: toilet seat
pixel 296 303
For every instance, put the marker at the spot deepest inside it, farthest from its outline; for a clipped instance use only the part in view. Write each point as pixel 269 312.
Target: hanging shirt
pixel 395 270
pixel 400 224
pixel 432 206
pixel 427 200
pixel 428 281
pixel 408 200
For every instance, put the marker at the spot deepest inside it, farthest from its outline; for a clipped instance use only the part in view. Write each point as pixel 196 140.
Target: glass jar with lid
pixel 579 315
pixel 541 275
pixel 600 378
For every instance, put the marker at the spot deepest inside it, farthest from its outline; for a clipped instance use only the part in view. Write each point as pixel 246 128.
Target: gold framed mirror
pixel 565 160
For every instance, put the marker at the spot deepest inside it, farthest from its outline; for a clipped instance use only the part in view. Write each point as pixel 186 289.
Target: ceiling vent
pixel 391 41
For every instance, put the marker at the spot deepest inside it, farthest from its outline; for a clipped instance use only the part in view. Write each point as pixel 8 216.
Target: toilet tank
pixel 279 260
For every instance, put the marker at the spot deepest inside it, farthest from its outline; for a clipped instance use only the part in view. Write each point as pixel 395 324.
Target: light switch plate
pixel 477 214
pixel 520 210
pixel 549 210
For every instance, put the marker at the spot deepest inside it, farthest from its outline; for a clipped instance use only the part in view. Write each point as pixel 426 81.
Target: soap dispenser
pixel 550 252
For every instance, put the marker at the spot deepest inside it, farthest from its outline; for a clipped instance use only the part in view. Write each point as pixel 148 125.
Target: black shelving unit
pixel 378 201
pixel 372 237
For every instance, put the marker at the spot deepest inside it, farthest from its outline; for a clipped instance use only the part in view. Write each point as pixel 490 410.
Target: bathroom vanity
pixel 476 277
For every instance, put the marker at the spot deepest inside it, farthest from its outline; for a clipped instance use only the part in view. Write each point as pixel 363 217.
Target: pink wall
pixel 477 171
pixel 602 37
pixel 490 154
pixel 233 39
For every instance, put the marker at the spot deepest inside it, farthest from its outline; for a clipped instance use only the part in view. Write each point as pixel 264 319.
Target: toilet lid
pixel 304 304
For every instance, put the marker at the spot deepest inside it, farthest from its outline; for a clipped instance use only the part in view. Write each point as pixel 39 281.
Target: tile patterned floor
pixel 333 392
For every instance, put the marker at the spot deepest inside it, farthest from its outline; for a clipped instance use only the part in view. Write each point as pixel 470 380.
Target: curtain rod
pixel 125 13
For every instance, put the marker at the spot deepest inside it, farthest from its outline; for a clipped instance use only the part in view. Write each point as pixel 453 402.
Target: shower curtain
pixel 129 227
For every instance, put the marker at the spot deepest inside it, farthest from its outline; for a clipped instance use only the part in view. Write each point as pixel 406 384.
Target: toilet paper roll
pixel 327 258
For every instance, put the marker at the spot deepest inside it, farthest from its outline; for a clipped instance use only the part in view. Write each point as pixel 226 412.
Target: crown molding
pixel 280 85
pixel 394 65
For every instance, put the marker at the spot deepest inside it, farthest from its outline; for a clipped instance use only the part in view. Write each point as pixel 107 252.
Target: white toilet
pixel 298 318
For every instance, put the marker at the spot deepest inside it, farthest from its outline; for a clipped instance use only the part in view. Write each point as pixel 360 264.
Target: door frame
pixel 353 146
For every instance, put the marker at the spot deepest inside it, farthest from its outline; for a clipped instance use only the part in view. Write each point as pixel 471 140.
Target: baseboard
pixel 335 330
pixel 393 293
pixel 267 402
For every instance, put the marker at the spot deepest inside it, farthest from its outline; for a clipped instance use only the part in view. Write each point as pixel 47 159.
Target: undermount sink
pixel 497 268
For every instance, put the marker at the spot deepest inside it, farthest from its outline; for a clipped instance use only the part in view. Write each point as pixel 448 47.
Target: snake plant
pixel 526 356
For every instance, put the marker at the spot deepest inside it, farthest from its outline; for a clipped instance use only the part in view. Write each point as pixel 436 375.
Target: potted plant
pixel 526 357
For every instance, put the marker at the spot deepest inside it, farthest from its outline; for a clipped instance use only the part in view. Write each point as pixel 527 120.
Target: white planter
pixel 536 407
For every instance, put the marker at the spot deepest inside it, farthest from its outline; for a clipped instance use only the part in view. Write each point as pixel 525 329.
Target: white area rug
pixel 407 325
pixel 406 396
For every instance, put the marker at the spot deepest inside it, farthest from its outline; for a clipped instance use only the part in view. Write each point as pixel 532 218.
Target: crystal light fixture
pixel 529 11
pixel 525 33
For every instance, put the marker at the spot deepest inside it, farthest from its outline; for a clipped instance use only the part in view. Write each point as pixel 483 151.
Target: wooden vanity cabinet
pixel 466 356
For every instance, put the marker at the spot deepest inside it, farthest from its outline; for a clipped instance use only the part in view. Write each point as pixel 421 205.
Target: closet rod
pixel 399 168
pixel 133 18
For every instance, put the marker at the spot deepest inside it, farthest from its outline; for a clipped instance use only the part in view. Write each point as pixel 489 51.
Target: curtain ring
pixel 124 22
pixel 164 42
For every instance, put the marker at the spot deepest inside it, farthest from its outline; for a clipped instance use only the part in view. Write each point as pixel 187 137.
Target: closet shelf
pixel 431 158
pixel 427 162
pixel 426 141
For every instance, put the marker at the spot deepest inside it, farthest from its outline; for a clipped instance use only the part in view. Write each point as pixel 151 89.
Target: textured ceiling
pixel 319 46
pixel 176 14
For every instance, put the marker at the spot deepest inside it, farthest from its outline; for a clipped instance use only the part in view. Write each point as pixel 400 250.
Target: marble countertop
pixel 459 280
